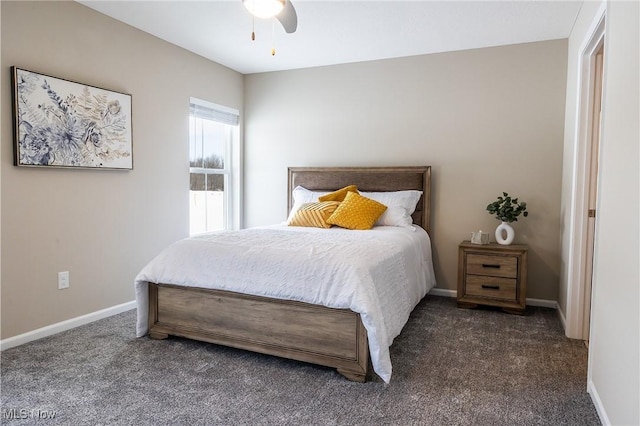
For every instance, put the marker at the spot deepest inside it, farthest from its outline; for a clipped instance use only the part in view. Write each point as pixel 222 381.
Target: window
pixel 213 130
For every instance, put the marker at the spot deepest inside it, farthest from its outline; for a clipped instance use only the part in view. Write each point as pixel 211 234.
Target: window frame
pixel 226 116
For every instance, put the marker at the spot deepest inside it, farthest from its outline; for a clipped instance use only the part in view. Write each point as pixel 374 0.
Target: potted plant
pixel 506 209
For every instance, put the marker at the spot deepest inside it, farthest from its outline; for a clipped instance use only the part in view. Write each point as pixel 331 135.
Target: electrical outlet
pixel 63 280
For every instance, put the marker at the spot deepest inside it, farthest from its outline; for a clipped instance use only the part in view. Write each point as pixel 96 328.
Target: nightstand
pixel 492 274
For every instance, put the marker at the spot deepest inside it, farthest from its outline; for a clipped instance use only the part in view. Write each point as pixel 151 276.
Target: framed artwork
pixel 61 123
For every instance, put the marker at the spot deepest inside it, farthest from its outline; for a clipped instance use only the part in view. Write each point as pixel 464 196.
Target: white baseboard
pixel 443 292
pixel 563 319
pixel 543 303
pixel 531 302
pixel 52 329
pixel 597 402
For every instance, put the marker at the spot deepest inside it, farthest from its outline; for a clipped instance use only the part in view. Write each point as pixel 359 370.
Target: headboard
pixel 367 179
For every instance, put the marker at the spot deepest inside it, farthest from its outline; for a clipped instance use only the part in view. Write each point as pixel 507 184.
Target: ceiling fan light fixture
pixel 264 8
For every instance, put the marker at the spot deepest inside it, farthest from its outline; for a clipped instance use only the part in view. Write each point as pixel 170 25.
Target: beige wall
pixel 486 120
pixel 614 359
pixel 102 226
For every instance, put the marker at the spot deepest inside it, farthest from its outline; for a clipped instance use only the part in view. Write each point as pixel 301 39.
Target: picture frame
pixel 62 123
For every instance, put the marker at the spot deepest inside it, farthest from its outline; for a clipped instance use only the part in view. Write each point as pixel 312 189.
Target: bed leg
pixel 158 336
pixel 353 376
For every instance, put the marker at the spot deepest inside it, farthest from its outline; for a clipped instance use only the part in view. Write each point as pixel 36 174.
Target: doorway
pixel 592 182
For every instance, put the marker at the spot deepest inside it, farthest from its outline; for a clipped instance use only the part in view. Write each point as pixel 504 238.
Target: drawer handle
pixel 491 287
pixel 490 265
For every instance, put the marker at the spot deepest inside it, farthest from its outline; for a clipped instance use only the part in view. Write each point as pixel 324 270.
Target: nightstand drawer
pixel 492 265
pixel 493 287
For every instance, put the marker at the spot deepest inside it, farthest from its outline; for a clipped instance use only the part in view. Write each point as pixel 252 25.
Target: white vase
pixel 505 234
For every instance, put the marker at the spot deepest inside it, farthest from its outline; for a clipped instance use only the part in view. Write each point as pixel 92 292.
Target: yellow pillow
pixel 339 194
pixel 357 212
pixel 314 214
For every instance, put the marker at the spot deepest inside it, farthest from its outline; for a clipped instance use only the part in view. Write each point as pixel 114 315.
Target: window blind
pixel 210 111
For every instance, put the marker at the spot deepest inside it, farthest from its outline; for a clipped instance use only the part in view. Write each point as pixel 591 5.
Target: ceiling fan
pixel 282 10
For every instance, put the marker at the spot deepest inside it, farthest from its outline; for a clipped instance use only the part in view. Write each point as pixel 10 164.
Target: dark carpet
pixel 450 367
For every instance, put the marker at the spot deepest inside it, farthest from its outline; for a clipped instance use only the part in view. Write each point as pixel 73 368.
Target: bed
pixel 322 334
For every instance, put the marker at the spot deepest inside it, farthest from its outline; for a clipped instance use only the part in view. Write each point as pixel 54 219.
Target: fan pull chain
pixel 253 28
pixel 273 37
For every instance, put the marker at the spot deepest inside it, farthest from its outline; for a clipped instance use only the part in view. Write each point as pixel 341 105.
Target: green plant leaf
pixel 507 209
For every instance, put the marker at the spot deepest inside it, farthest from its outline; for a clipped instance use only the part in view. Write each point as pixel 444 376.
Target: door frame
pixel 592 194
pixel 576 310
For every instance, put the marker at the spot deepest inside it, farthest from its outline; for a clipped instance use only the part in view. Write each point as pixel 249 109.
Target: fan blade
pixel 288 17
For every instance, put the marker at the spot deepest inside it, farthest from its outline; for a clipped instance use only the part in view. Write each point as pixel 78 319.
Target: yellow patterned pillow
pixel 357 212
pixel 314 214
pixel 339 194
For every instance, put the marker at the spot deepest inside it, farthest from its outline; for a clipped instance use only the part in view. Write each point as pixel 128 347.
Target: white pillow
pixel 400 206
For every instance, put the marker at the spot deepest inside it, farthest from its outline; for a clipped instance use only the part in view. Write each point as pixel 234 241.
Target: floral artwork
pixel 66 124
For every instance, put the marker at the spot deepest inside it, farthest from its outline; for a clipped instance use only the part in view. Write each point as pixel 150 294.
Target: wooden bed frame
pixel 311 333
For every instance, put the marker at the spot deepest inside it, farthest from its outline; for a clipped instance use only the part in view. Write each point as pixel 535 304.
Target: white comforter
pixel 381 273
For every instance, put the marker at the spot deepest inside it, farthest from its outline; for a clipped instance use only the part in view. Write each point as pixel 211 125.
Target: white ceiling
pixel 333 32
